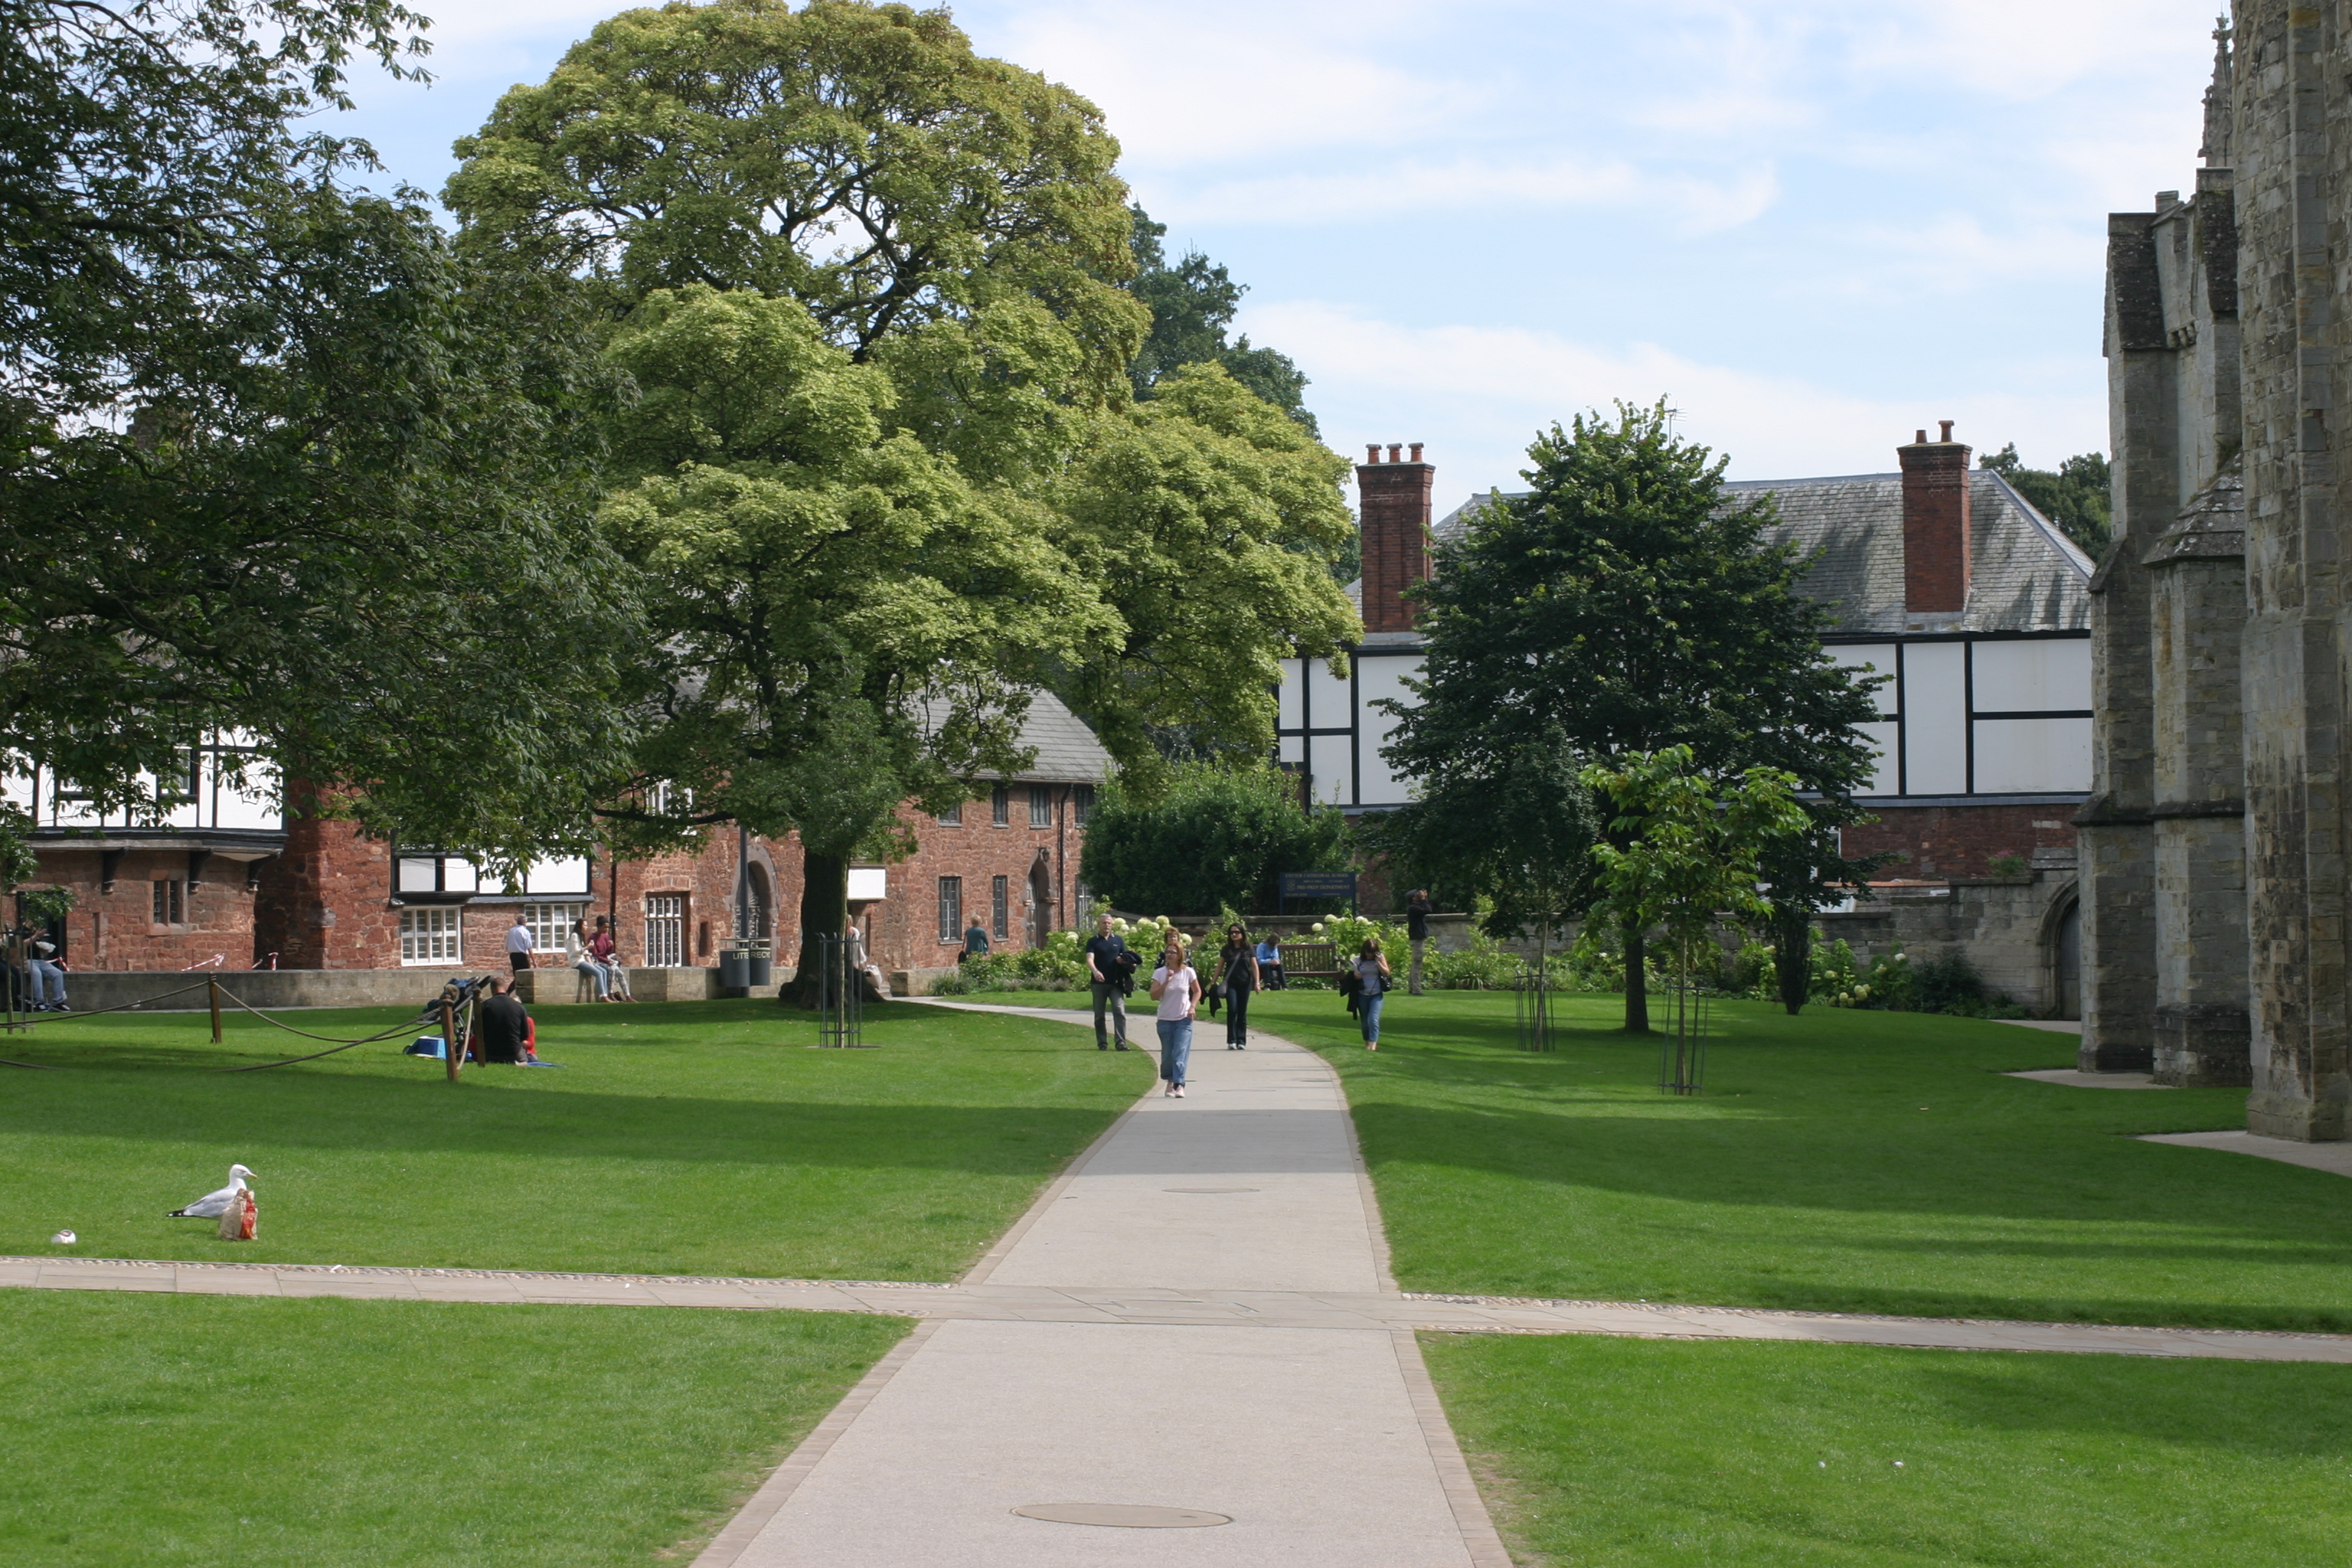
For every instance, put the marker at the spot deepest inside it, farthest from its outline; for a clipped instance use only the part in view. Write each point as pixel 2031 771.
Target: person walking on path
pixel 1237 973
pixel 1416 927
pixel 520 944
pixel 1110 971
pixel 1177 989
pixel 1371 986
pixel 975 942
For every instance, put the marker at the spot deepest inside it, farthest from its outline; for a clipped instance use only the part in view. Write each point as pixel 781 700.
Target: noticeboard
pixel 1318 885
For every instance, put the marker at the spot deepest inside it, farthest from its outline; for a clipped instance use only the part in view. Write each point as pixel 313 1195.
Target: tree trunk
pixel 824 912
pixel 1793 957
pixel 1637 985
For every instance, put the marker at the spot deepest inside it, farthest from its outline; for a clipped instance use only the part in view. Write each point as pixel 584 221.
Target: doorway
pixel 2067 960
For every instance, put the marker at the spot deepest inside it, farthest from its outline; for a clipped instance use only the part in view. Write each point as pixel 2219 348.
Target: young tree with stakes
pixel 1688 858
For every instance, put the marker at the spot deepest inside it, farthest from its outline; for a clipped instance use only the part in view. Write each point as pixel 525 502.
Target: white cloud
pixel 1477 396
pixel 1410 190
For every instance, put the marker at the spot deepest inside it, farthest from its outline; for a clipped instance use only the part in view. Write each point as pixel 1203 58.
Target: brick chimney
pixel 1395 498
pixel 1935 523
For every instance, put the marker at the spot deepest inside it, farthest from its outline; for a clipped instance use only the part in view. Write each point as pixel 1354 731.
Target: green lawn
pixel 1642 1454
pixel 1840 1160
pixel 697 1138
pixel 174 1430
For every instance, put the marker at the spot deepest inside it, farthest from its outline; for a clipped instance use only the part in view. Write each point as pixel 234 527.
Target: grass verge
pixel 1840 1161
pixel 688 1138
pixel 1642 1454
pixel 171 1430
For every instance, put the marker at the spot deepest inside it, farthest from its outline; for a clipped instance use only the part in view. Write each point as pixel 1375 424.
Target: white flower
pixel 1317 928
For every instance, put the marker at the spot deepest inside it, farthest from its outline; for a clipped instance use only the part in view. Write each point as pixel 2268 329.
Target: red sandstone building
pixel 1938 575
pixel 228 881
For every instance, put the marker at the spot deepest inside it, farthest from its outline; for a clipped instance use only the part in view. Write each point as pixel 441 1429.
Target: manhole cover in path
pixel 1211 1189
pixel 1127 1515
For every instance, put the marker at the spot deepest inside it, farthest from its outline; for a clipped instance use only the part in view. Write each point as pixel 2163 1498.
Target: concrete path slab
pixel 2075 1078
pixel 1172 1392
pixel 2055 1026
pixel 2334 1158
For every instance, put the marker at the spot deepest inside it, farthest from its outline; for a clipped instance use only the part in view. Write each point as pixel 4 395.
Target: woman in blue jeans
pixel 1177 989
pixel 1372 987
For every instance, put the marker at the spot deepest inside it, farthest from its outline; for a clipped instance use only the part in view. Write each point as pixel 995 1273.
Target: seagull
pixel 212 1205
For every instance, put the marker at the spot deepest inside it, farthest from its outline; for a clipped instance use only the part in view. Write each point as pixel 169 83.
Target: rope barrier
pixel 338 1046
pixel 26 1021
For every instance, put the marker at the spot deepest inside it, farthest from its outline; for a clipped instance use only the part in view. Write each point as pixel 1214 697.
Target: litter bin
pixel 735 971
pixel 764 969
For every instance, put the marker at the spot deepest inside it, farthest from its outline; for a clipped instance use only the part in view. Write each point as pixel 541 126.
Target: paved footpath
pixel 1198 1319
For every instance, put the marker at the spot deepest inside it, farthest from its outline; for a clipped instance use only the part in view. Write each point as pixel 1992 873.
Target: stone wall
pixel 2291 118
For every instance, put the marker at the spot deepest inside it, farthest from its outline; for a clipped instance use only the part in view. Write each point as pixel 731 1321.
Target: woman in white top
pixel 1177 989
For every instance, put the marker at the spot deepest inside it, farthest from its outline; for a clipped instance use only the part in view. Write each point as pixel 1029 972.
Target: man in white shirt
pixel 519 943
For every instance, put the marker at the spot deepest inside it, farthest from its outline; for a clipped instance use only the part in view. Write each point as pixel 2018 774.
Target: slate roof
pixel 2024 575
pixel 1067 750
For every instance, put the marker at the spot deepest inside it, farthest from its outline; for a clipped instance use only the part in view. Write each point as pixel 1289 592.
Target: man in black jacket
pixel 502 1023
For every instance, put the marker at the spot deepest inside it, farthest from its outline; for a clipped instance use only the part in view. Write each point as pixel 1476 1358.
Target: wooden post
pixel 449 1036
pixel 212 990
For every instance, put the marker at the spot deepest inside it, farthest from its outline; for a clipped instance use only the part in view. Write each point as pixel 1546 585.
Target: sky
pixel 1812 227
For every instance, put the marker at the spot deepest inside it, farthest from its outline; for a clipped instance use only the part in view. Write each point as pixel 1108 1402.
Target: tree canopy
pixel 1191 304
pixel 1515 828
pixel 1627 605
pixel 275 459
pixel 2076 495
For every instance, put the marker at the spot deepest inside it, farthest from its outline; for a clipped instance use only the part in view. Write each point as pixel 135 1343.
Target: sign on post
pixel 1316 885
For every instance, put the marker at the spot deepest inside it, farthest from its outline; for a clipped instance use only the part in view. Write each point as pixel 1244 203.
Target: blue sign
pixel 1318 885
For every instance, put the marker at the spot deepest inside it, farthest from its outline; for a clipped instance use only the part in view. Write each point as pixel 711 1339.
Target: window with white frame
pixel 549 925
pixel 431 936
pixel 665 931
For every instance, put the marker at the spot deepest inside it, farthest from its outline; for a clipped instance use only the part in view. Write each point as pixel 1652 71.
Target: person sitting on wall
pixel 606 951
pixel 1269 962
pixel 501 1024
pixel 975 942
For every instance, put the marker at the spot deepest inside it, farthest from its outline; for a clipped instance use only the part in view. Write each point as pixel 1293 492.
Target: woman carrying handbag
pixel 1371 986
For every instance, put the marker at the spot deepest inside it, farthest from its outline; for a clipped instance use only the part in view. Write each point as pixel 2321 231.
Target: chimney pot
pixel 1396 452
pixel 1920 439
pixel 1372 450
pixel 1947 423
pixel 1416 451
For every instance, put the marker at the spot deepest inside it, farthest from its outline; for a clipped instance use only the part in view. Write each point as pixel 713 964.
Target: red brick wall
pixel 1934 524
pixel 903 930
pixel 1959 840
pixel 117 930
pixel 1395 526
pixel 327 903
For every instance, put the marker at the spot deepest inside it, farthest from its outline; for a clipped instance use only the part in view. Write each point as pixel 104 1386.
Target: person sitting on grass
pixel 501 1024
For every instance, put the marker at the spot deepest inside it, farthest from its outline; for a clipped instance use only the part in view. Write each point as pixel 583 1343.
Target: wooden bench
pixel 1309 961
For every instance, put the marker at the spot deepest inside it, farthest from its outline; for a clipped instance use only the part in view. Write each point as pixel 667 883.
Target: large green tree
pixel 1627 604
pixel 1000 518
pixel 273 458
